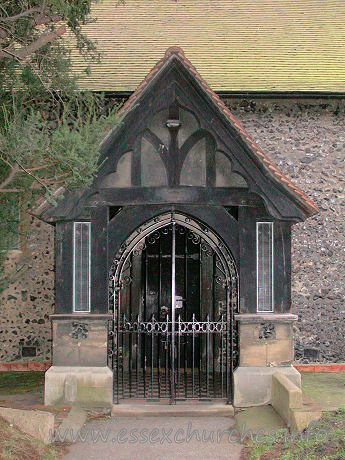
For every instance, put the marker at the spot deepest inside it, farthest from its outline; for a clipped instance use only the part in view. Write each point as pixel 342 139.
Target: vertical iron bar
pixel 130 340
pixel 185 337
pixel 117 342
pixel 137 356
pixel 208 356
pixel 193 351
pixel 178 354
pixel 200 364
pixel 200 314
pixel 166 358
pixel 159 335
pixel 122 356
pixel 186 341
pixel 152 353
pixel 227 345
pixel 173 302
pixel 231 343
pixel 143 343
pixel 222 357
pixel 145 315
pixel 214 304
pixel 214 337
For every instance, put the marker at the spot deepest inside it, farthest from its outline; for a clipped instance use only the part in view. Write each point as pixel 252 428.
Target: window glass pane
pixel 264 266
pixel 224 176
pixel 194 167
pixel 153 173
pixel 81 265
pixel 122 176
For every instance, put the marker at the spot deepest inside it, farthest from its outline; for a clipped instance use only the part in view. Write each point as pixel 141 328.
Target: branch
pixel 42 19
pixel 26 51
pixel 27 171
pixel 37 168
pixel 26 13
pixel 14 171
pixel 38 19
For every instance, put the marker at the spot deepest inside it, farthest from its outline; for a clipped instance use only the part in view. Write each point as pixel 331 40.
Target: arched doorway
pixel 174 291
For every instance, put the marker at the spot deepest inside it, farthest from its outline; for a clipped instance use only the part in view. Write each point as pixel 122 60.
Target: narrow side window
pixel 81 266
pixel 264 266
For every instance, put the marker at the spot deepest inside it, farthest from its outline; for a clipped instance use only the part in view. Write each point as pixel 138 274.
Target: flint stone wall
pixel 26 304
pixel 306 140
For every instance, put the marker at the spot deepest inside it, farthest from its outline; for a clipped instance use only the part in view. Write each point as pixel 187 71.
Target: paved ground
pixel 259 418
pixel 179 443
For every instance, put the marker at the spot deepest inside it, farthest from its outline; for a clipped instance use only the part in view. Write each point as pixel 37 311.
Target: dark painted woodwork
pixel 173 88
pixel 130 218
pixel 177 84
pixel 247 243
pixel 136 163
pixel 265 199
pixel 155 195
pixel 64 267
pixel 184 195
pixel 210 162
pixel 282 267
pixel 99 257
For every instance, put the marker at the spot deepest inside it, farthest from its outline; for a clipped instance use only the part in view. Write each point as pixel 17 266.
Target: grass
pixel 326 389
pixel 15 445
pixel 20 382
pixel 332 448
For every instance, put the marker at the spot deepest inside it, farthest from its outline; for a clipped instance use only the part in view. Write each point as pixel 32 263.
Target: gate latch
pixel 179 302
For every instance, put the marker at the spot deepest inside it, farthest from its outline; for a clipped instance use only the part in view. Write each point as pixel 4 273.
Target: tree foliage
pixel 49 131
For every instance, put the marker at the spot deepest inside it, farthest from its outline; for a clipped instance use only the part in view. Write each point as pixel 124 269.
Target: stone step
pixel 180 409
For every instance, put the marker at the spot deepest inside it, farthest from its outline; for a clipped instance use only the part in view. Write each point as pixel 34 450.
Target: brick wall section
pixel 26 305
pixel 306 139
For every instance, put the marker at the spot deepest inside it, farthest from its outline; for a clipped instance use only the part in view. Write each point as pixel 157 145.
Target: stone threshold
pixel 141 408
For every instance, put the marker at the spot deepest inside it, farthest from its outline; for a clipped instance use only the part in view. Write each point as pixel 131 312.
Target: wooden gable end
pixel 178 143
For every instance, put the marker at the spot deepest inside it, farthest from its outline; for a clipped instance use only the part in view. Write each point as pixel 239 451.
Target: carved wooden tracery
pixel 173 150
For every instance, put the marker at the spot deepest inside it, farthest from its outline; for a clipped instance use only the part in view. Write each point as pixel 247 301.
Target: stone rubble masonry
pixel 306 140
pixel 27 303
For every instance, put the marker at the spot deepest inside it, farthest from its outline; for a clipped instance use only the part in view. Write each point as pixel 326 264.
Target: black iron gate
pixel 174 288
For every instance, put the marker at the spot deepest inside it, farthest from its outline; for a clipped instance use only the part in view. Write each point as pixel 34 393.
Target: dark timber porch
pixel 173 269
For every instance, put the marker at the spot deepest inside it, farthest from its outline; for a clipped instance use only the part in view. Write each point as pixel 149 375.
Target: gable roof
pixel 268 45
pixel 174 58
pixel 271 170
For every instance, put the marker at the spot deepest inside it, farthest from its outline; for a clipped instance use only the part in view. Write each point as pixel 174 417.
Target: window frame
pixel 89 262
pixel 271 224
